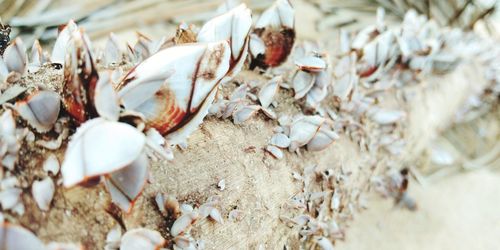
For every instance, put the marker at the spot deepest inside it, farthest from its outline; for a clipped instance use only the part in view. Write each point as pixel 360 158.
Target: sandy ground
pixel 458 212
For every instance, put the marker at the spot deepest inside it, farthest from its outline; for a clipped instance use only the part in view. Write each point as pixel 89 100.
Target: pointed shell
pixel 322 139
pixel 183 223
pixel 142 238
pixel 268 91
pixel 244 112
pixel 311 64
pixel 303 130
pixel 126 184
pixel 280 140
pixel 41 110
pixel 15 56
pixel 43 192
pixel 100 147
pixel 51 164
pixel 15 237
pixel 187 76
pixel 61 44
pixel 302 83
pixel 105 98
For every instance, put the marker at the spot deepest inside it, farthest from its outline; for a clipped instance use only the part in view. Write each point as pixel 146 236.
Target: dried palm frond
pixel 459 13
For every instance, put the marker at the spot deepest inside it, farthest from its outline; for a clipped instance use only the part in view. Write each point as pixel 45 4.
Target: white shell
pixel 61 44
pixel 233 26
pixel 268 91
pixel 302 83
pixel 280 140
pixel 100 147
pixel 275 151
pixel 40 110
pixel 280 14
pixel 311 64
pixel 15 237
pixel 243 113
pixel 15 56
pixel 126 184
pixel 112 53
pixel 113 239
pixel 386 116
pixel 303 130
pixel 43 192
pixel 105 98
pixel 142 238
pixel 10 197
pixel 183 223
pixel 322 139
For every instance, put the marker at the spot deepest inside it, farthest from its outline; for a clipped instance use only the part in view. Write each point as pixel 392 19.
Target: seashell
pixel 244 112
pixel 235 215
pixel 61 44
pixel 385 116
pixel 40 110
pixel 184 242
pixel 126 184
pixel 322 139
pixel 239 93
pixel 269 113
pixel 221 185
pixel 112 52
pixel 216 216
pixel 105 99
pixel 64 246
pixel 142 238
pixel 113 239
pixel 325 244
pixel 15 56
pixel 233 27
pixel 268 91
pixel 4 71
pixel 37 57
pixel 170 206
pixel 43 192
pixel 16 237
pixel 186 208
pixel 10 197
pixel 80 78
pixel 280 140
pixel 303 130
pixel 276 30
pixel 187 77
pixel 11 93
pixel 183 223
pixel 302 83
pixel 274 151
pixel 311 64
pixel 99 147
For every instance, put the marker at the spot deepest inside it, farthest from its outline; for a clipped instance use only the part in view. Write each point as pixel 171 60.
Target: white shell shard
pixel 275 151
pixel 302 83
pixel 234 27
pixel 43 192
pixel 385 116
pixel 325 244
pixel 216 216
pixel 142 238
pixel 15 56
pixel 63 246
pixel 112 52
pixel 268 91
pixel 280 14
pixel 256 45
pixel 61 44
pixel 186 90
pixel 100 147
pixel 280 140
pixel 105 98
pixel 10 197
pixel 244 112
pixel 40 110
pixel 51 164
pixel 322 139
pixel 14 237
pixel 303 130
pixel 183 223
pixel 37 57
pixel 311 64
pixel 126 184
pixel 113 239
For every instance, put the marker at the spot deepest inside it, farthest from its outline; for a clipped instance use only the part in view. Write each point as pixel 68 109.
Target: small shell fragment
pixel 311 64
pixel 99 147
pixel 242 114
pixel 183 223
pixel 41 110
pixel 268 91
pixel 15 237
pixel 43 192
pixel 275 151
pixel 280 140
pixel 142 238
pixel 15 56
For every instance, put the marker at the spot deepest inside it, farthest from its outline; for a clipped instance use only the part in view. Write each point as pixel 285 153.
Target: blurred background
pixel 458 190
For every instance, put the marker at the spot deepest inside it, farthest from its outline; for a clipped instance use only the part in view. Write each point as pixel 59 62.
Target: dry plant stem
pixel 256 183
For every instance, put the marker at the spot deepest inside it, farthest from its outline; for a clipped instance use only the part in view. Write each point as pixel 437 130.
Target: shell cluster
pixel 117 119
